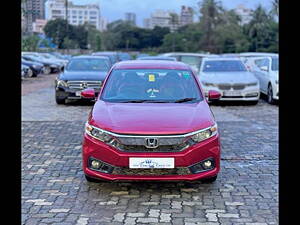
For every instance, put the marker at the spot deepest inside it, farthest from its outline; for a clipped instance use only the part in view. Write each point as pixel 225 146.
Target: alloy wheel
pixel 270 95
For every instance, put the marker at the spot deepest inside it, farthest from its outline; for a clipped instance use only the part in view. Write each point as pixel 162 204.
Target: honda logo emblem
pixel 151 142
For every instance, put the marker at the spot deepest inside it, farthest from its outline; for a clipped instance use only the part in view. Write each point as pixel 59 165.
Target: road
pixel 54 190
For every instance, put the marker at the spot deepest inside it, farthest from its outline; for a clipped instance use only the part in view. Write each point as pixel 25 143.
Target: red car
pixel 151 121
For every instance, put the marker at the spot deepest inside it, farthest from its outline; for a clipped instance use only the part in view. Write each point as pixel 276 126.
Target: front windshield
pixel 87 65
pixel 193 61
pixel 275 63
pixel 224 66
pixel 151 85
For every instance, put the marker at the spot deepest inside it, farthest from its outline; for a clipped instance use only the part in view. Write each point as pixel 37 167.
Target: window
pixel 151 85
pixel 93 12
pixel 93 17
pixel 223 66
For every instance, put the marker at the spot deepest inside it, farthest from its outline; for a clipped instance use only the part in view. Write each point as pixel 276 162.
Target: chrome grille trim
pixel 233 86
pixel 89 84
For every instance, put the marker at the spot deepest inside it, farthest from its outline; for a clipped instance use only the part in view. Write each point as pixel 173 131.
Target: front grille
pixel 150 172
pixel 161 148
pixel 80 85
pixel 238 86
pixel 229 86
pixel 224 86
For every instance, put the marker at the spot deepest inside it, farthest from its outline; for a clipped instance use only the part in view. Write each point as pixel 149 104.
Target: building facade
pixel 170 19
pixel 32 10
pixel 186 15
pixel 131 18
pixel 244 13
pixel 76 14
pixel 38 26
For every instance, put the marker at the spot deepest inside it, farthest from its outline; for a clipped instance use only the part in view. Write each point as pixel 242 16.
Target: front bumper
pixel 93 148
pixel 67 93
pixel 247 94
pixel 276 92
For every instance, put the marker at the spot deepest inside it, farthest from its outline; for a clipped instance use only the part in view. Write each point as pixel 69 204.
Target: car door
pixel 265 69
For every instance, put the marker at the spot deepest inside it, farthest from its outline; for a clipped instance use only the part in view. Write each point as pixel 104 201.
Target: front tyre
pixel 59 100
pixel 30 73
pixel 270 95
pixel 47 70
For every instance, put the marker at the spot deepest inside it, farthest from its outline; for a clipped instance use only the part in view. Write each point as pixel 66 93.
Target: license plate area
pixel 232 93
pixel 150 163
pixel 78 93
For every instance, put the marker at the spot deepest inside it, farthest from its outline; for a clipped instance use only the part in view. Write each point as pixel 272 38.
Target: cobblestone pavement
pixel 54 190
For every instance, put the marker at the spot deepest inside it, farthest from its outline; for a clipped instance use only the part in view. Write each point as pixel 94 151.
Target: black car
pixel 112 55
pixel 36 68
pixel 81 72
pixel 49 67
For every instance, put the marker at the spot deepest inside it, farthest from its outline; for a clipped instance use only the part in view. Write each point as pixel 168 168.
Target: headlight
pixel 97 133
pixel 205 134
pixel 35 66
pixel 62 83
pixel 252 84
pixel 53 65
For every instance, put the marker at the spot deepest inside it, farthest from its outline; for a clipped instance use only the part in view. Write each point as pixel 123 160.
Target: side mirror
pixel 88 93
pixel 264 68
pixel 213 95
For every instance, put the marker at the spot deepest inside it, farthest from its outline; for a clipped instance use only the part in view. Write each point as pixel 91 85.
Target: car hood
pixel 151 118
pixel 83 75
pixel 228 77
pixel 32 63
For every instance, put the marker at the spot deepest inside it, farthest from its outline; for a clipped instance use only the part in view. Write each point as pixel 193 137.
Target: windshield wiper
pixel 141 101
pixel 185 100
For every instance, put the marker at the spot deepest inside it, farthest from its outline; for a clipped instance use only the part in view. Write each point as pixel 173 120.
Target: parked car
pixel 36 68
pixel 112 55
pixel 61 56
pixel 140 55
pixel 158 58
pixel 131 134
pixel 49 66
pixel 124 56
pixel 192 59
pixel 230 77
pixel 54 58
pixel 81 72
pixel 266 71
pixel 24 71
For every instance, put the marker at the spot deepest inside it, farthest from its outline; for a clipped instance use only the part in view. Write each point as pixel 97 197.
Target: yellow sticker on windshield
pixel 151 78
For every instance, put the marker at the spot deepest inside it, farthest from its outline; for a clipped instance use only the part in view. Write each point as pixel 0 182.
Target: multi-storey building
pixel 244 13
pixel 38 26
pixel 131 18
pixel 76 14
pixel 186 15
pixel 32 10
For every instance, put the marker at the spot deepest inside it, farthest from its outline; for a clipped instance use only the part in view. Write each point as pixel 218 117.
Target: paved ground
pixel 54 190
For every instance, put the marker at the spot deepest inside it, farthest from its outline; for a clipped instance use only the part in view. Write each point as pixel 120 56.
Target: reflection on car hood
pixel 151 118
pixel 228 77
pixel 83 75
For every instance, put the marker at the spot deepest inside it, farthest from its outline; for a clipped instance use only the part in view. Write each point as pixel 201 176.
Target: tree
pixel 262 31
pixel 210 11
pixel 30 43
pixel 56 29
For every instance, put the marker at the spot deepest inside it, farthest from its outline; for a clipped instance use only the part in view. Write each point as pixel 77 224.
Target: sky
pixel 116 9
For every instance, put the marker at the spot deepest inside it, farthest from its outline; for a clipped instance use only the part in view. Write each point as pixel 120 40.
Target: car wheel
pixel 210 179
pixel 30 73
pixel 92 180
pixel 47 70
pixel 270 95
pixel 60 101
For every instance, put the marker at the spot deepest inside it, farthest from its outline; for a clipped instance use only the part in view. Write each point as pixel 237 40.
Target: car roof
pixel 90 57
pixel 258 54
pixel 222 58
pixel 107 53
pixel 188 54
pixel 151 64
pixel 156 57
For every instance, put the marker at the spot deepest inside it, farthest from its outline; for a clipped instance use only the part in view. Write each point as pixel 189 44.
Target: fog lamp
pixel 207 164
pixel 95 164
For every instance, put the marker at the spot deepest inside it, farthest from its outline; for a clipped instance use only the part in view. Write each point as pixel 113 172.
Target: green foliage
pixel 30 43
pixel 219 31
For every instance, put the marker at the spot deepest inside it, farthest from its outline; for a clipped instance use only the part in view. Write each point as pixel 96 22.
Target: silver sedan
pixel 231 78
